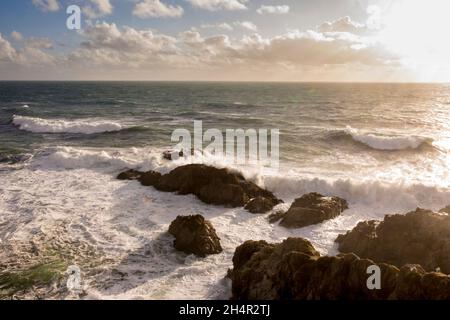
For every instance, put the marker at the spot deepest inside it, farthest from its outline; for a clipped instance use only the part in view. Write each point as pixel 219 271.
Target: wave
pixel 39 125
pixel 371 193
pixel 386 142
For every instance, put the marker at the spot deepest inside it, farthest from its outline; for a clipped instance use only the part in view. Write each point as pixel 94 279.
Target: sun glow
pixel 418 31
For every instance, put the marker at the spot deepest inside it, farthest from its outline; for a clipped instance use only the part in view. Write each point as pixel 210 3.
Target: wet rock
pixel 129 175
pixel 293 269
pixel 211 185
pixel 419 237
pixel 149 178
pixel 276 216
pixel 168 155
pixel 260 205
pixel 194 234
pixel 311 208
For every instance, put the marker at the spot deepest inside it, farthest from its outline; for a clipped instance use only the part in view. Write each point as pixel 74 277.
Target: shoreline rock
pixel 211 185
pixel 309 209
pixel 194 234
pixel 294 270
pixel 418 237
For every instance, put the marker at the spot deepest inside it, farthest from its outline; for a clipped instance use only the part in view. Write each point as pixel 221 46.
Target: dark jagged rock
pixel 260 205
pixel 211 185
pixel 276 216
pixel 149 178
pixel 311 208
pixel 129 175
pixel 295 270
pixel 194 234
pixel 419 237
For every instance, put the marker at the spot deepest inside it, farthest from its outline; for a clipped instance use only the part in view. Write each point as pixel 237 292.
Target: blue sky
pixel 23 16
pixel 292 40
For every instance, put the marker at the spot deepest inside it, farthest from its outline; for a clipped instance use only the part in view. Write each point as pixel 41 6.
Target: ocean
pixel 382 147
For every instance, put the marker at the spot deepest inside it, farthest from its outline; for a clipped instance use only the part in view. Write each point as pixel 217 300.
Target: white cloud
pixel 132 51
pixel 16 36
pixel 215 5
pixel 283 9
pixel 156 8
pixel 222 26
pixel 246 25
pixel 47 5
pixel 32 53
pixel 98 8
pixel 344 24
pixel 7 52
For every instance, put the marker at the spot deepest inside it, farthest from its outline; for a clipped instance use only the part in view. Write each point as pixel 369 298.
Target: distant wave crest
pixel 39 125
pixel 384 142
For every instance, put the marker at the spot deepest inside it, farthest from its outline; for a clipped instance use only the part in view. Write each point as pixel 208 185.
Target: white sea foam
pixel 39 125
pixel 128 222
pixel 382 142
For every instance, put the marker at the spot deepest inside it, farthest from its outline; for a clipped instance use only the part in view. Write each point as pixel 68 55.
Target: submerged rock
pixel 419 237
pixel 129 175
pixel 295 270
pixel 211 185
pixel 260 205
pixel 311 208
pixel 194 234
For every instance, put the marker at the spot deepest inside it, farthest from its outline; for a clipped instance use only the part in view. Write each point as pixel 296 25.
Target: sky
pixel 227 40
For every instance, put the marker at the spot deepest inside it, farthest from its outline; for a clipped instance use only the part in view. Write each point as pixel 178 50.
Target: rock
pixel 260 205
pixel 194 234
pixel 168 155
pixel 419 237
pixel 445 210
pixel 149 178
pixel 276 216
pixel 211 185
pixel 129 175
pixel 311 208
pixel 295 270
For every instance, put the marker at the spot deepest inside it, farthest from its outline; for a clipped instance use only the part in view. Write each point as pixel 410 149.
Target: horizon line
pixel 241 81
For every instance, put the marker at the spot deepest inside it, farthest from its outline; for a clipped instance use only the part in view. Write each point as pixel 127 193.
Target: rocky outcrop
pixel 194 234
pixel 419 237
pixel 211 185
pixel 295 270
pixel 311 208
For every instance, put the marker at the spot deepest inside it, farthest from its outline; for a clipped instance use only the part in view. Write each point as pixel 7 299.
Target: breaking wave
pixel 39 125
pixel 385 142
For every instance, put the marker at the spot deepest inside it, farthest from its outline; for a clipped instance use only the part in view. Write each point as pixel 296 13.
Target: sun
pixel 418 31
